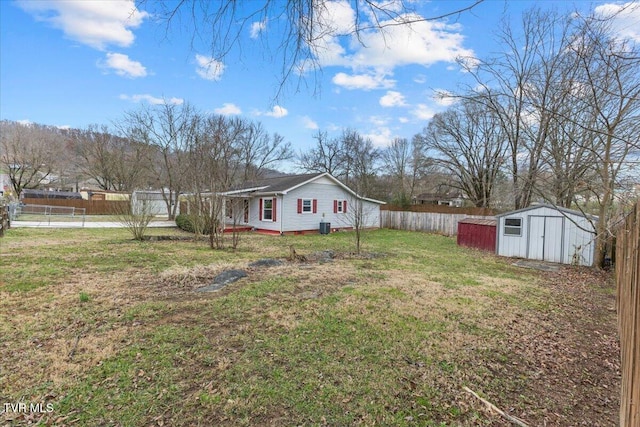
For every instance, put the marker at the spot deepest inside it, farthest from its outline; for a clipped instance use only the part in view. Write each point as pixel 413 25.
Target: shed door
pixel 545 238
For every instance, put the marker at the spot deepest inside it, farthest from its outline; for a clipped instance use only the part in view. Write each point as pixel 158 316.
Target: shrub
pixel 189 222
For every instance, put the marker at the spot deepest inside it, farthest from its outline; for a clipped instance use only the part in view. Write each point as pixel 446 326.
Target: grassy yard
pixel 109 331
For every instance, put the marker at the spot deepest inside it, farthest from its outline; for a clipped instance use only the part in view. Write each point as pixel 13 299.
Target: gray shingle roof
pixel 275 185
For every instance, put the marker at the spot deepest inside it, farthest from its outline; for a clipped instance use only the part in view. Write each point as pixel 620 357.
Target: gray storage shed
pixel 547 233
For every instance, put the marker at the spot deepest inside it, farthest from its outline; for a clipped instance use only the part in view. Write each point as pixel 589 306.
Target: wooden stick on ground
pixel 75 347
pixel 515 420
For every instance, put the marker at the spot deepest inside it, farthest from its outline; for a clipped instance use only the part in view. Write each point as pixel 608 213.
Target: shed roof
pixel 479 221
pixel 546 205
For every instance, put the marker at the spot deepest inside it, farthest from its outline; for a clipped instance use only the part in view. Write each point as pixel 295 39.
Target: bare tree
pixel 361 162
pixel 326 156
pixel 610 92
pixel 567 96
pixel 361 167
pixel 113 162
pixel 135 216
pixel 306 26
pixel 224 152
pixel 28 153
pixel 467 142
pixel 258 150
pixel 517 86
pixel 406 162
pixel 168 130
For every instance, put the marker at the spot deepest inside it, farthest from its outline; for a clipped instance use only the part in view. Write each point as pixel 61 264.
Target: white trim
pixel 244 190
pixel 310 211
pixel 264 207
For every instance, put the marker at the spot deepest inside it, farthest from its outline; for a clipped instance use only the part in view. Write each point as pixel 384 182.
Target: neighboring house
pixel 547 233
pixel 299 203
pixel 440 199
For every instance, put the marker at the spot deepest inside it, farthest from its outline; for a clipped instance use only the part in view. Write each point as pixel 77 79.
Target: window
pixel 307 206
pixel 267 209
pixel 339 206
pixel 513 226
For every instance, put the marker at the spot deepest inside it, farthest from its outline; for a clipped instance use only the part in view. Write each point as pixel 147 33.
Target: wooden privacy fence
pixel 440 209
pixel 430 222
pixel 628 283
pixel 92 207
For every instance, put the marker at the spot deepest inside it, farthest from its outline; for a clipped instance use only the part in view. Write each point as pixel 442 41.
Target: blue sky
pixel 79 63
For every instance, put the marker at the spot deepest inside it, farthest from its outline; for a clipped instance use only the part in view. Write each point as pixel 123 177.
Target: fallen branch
pixel 515 420
pixel 74 348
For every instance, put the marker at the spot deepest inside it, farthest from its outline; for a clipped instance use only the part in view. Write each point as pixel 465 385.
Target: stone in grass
pixel 323 256
pixel 266 262
pixel 223 279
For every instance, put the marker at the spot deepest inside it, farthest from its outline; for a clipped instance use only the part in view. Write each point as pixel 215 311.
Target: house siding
pixel 255 214
pixel 325 192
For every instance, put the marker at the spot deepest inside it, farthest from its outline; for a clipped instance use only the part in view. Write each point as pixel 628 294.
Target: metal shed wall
pixel 547 233
pixel 477 233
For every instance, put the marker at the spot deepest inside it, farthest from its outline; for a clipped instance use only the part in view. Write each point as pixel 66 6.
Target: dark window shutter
pixel 335 206
pixel 299 206
pixel 344 206
pixel 273 212
pixel 260 209
pixel 315 206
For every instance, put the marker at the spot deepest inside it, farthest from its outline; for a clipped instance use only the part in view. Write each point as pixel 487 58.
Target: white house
pixel 547 233
pixel 299 203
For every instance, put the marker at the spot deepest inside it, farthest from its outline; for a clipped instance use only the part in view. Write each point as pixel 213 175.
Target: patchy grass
pixel 110 332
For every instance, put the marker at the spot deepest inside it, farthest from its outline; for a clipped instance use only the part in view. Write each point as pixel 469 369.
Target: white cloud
pixel 332 19
pixel 403 120
pixel 153 100
pixel 228 109
pixel 25 122
pixel 123 66
pixel 309 123
pixel 380 137
pixel 277 112
pixel 378 120
pixel 93 23
pixel 420 79
pixel 625 18
pixel 257 28
pixel 63 127
pixel 393 99
pixel 363 81
pixel 423 42
pixel 423 112
pixel 208 68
